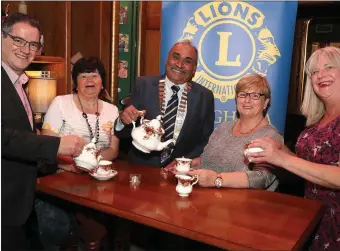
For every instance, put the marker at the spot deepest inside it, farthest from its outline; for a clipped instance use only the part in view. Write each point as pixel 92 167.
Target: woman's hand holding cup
pixel 271 151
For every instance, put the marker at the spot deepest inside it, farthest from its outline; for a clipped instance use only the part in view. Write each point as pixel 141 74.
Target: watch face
pixel 218 182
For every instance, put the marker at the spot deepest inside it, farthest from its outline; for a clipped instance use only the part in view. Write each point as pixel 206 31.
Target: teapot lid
pixel 156 122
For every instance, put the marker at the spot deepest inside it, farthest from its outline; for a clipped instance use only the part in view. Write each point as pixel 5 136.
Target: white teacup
pixel 103 171
pixel 185 183
pixel 253 150
pixel 183 165
pixel 104 168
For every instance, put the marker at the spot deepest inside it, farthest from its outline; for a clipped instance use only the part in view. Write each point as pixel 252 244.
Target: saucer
pixel 183 194
pixel 104 177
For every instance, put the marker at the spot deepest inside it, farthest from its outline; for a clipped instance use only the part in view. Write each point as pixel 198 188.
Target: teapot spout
pixel 162 145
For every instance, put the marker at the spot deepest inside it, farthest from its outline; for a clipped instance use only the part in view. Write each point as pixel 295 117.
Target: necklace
pixel 239 130
pixel 96 132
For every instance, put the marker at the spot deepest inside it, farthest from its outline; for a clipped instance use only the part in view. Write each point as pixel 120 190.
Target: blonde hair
pixel 253 80
pixel 312 107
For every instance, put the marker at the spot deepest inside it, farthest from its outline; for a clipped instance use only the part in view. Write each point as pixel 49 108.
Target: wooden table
pixel 233 219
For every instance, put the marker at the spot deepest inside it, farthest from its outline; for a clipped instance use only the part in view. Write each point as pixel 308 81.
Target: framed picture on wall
pixel 123 14
pixel 122 69
pixel 123 42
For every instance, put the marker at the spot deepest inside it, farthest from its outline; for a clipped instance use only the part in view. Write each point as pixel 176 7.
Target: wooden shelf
pixel 55 65
pixel 48 60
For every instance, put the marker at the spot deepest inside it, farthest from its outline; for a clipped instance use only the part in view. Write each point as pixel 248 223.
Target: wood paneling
pixel 85 28
pixel 90 31
pixel 154 11
pixel 152 52
pixel 151 38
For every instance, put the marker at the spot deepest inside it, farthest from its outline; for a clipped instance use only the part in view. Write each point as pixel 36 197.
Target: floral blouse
pixel 322 145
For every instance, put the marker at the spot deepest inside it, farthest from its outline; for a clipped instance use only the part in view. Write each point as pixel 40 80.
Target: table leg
pixel 90 232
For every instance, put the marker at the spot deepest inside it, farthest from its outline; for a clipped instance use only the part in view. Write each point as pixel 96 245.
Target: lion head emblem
pixel 268 52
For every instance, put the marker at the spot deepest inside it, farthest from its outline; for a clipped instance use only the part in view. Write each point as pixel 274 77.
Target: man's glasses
pixel 20 42
pixel 252 95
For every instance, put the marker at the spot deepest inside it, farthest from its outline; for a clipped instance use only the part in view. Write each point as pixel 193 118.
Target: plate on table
pixel 97 176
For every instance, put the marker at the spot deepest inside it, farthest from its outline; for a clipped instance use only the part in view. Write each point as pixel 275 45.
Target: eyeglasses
pixel 20 42
pixel 252 95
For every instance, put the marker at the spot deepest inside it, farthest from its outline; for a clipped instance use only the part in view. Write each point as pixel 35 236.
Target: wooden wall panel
pixel 52 17
pixel 152 52
pixel 154 11
pixel 150 62
pixel 91 31
pixel 85 28
pixel 106 38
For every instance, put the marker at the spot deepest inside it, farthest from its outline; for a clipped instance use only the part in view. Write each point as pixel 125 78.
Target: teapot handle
pixel 195 179
pixel 134 124
pixel 141 119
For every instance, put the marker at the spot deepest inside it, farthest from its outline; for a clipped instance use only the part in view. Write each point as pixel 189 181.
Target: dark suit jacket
pixel 21 150
pixel 197 127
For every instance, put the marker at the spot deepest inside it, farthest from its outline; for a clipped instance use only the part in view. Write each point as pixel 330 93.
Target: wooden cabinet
pixel 55 65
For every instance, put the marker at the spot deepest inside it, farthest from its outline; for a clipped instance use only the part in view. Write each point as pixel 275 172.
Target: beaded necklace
pixel 239 129
pixel 96 132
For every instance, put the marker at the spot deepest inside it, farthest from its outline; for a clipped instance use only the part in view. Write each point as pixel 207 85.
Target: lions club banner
pixel 233 39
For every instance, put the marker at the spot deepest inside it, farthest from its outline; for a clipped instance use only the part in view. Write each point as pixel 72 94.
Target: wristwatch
pixel 219 181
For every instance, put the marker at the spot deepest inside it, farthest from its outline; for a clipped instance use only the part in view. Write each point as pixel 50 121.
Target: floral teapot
pixel 87 160
pixel 147 137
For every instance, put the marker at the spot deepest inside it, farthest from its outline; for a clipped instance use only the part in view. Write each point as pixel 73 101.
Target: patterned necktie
pixel 169 117
pixel 169 120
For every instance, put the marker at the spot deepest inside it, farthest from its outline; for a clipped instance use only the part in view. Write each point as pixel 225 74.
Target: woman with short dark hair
pixel 83 113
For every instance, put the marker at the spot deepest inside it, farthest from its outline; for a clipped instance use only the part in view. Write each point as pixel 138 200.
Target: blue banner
pixel 233 39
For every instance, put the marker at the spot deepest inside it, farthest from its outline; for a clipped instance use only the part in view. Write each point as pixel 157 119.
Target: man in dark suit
pixel 195 115
pixel 21 147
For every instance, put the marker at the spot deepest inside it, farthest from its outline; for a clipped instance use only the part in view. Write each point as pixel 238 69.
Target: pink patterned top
pixel 323 146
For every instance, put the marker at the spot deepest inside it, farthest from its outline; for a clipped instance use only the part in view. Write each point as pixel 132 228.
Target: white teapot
pixel 147 137
pixel 87 160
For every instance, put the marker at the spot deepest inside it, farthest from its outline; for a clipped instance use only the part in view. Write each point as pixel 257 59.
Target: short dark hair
pixel 17 17
pixel 87 65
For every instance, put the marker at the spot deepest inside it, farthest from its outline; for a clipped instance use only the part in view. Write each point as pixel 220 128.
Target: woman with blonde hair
pixel 318 146
pixel 222 163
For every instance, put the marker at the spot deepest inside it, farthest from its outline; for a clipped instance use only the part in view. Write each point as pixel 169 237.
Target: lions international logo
pixel 232 41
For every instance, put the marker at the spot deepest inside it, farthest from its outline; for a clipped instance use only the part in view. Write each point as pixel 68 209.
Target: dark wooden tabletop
pixel 233 219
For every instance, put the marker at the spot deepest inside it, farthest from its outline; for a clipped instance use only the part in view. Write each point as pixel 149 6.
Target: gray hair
pixel 14 18
pixel 187 42
pixel 312 106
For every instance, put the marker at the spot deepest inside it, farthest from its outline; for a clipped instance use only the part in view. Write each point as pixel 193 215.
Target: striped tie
pixel 169 117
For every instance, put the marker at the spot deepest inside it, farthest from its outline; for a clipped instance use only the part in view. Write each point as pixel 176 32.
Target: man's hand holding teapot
pixel 130 114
